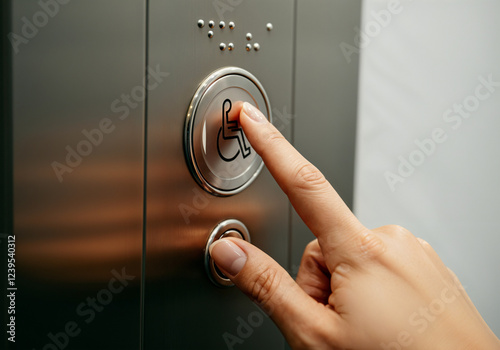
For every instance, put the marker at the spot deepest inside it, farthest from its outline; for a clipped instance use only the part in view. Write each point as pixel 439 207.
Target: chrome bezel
pixel 217 233
pixel 199 172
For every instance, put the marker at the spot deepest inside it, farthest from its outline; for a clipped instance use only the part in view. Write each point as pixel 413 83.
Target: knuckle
pixel 311 248
pixel 371 245
pixel 342 270
pixel 339 279
pixel 396 230
pixel 307 177
pixel 265 285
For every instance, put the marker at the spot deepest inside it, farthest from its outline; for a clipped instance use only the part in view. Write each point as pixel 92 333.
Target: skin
pixel 356 288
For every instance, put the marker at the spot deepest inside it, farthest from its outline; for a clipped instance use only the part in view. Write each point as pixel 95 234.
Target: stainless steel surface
pixel 218 153
pixel 182 308
pixel 227 228
pixel 100 176
pixel 325 99
pixel 78 222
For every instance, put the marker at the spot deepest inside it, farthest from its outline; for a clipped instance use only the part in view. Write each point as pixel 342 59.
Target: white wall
pixel 428 57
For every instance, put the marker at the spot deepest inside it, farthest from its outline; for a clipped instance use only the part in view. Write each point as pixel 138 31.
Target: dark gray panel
pixel 325 98
pixel 72 232
pixel 183 310
pixel 6 200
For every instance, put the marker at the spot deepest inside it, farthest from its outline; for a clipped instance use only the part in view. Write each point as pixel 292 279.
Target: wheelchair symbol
pixel 230 131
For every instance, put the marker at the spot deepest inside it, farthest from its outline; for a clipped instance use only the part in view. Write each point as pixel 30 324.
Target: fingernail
pixel 253 113
pixel 228 256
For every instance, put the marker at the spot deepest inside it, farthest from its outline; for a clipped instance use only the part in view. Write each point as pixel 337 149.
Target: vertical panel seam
pixel 144 188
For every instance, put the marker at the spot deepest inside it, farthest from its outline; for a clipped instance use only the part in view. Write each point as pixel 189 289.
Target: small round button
pixel 218 153
pixel 227 228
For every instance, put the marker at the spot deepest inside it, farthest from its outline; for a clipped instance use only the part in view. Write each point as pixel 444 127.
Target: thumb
pixel 304 322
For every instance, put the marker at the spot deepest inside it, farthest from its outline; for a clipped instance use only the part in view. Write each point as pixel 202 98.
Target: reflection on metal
pixel 73 231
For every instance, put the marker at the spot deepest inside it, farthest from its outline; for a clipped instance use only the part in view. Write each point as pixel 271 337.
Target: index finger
pixel 312 196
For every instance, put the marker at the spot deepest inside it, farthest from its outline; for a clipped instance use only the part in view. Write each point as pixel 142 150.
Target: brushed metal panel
pixel 325 98
pixel 72 234
pixel 183 310
pixel 6 218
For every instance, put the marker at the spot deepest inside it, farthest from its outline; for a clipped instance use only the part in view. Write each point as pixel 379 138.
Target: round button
pixel 227 228
pixel 218 153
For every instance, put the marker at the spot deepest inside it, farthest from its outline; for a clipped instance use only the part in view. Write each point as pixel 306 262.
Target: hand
pixel 356 288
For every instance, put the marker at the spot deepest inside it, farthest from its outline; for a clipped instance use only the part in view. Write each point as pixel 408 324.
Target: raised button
pixel 218 153
pixel 227 228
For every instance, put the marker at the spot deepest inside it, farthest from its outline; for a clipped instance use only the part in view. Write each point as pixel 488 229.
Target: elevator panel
pixel 78 173
pixel 180 214
pixel 128 162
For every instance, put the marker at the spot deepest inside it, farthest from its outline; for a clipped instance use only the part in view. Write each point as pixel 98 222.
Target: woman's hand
pixel 356 288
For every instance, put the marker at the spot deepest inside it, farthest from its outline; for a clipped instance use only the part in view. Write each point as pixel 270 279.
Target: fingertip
pixel 228 256
pixel 252 113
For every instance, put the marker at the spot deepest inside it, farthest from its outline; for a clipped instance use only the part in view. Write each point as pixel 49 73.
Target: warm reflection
pixel 79 230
